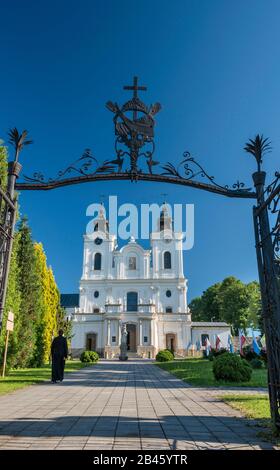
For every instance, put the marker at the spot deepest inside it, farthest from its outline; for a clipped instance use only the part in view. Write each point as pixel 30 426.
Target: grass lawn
pixel 252 406
pixel 198 371
pixel 19 378
pixel 257 408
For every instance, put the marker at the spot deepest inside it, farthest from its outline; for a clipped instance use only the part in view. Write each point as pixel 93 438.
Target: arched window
pixel 96 227
pixel 132 263
pixel 167 260
pixel 97 262
pixel 132 302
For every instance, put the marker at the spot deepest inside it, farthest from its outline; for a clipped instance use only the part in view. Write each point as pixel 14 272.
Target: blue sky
pixel 213 65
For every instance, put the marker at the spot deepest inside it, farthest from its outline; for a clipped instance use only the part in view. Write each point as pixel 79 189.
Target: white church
pixel 145 289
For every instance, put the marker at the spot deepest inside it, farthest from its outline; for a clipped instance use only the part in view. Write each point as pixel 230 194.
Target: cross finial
pixel 164 195
pixel 135 87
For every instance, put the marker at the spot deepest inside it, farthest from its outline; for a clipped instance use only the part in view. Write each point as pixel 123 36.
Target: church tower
pixel 98 248
pixel 166 246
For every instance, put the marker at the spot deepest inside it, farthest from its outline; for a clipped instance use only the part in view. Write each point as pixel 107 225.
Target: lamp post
pixel 8 213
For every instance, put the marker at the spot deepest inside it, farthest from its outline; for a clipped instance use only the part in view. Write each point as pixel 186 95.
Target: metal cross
pixel 135 89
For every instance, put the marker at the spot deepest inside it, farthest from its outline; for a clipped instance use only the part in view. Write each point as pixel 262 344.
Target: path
pixel 121 405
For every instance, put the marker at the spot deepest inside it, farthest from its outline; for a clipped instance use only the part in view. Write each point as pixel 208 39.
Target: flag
pixel 256 347
pixel 263 343
pixel 218 342
pixel 242 340
pixel 207 346
pixel 230 344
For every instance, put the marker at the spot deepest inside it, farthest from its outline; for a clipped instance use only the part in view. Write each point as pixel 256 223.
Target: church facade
pixel 145 289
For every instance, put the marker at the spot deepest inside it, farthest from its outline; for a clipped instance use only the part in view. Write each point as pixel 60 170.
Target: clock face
pixel 98 241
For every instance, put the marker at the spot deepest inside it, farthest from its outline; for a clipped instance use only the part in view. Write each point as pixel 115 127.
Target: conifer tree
pixel 27 283
pixel 13 300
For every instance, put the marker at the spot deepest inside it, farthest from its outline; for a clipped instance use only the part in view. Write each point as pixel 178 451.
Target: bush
pixel 215 353
pixel 232 368
pixel 170 350
pixel 249 354
pixel 256 363
pixel 164 356
pixel 89 356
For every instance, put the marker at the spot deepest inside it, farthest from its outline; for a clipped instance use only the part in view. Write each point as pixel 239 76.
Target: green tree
pixel 207 307
pixel 234 303
pixel 27 283
pixel 231 301
pixel 13 300
pixel 254 314
pixel 3 166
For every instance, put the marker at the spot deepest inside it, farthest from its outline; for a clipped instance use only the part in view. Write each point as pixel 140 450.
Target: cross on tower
pixel 135 89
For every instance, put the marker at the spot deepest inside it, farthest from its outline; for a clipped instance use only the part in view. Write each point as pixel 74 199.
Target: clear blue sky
pixel 214 65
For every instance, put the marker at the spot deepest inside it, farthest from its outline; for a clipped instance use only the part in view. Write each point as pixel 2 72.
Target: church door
pixel 131 338
pixel 91 342
pixel 171 342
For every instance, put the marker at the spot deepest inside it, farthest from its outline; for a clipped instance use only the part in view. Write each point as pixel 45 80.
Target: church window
pixel 132 262
pixel 132 301
pixel 168 310
pixel 96 227
pixel 97 261
pixel 113 262
pixel 96 310
pixel 145 339
pixel 96 294
pixel 167 260
pixel 168 293
pixel 113 339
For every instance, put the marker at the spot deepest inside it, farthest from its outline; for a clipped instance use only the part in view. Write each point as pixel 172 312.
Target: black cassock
pixel 59 352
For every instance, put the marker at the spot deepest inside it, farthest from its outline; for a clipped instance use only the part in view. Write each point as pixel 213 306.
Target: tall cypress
pixel 27 283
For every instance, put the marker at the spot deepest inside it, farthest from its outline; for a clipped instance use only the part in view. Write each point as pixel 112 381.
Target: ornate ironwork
pixel 192 169
pixel 134 133
pixel 134 129
pixel 272 196
pixel 266 214
pixel 87 164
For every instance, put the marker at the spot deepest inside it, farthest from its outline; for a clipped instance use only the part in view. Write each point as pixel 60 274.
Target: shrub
pixel 256 363
pixel 89 356
pixel 232 368
pixel 170 350
pixel 249 354
pixel 216 352
pixel 164 356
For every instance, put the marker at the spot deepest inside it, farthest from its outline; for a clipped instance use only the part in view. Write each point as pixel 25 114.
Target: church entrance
pixel 131 337
pixel 91 342
pixel 171 342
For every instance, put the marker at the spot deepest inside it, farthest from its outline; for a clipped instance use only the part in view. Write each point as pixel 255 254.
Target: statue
pixel 123 354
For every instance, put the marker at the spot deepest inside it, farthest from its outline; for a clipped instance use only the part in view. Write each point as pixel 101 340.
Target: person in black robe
pixel 59 352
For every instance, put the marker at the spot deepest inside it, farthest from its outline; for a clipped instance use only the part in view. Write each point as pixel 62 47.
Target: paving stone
pixel 115 405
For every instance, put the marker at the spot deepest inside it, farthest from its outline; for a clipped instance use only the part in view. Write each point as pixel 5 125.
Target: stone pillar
pixel 140 333
pixel 108 332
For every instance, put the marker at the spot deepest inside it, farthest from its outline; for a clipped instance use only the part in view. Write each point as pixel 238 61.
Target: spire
pixel 165 221
pixel 101 224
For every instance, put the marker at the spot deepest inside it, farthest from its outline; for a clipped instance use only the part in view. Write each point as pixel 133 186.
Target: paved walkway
pixel 121 405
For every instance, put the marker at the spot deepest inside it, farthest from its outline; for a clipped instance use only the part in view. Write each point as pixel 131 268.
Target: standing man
pixel 59 352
